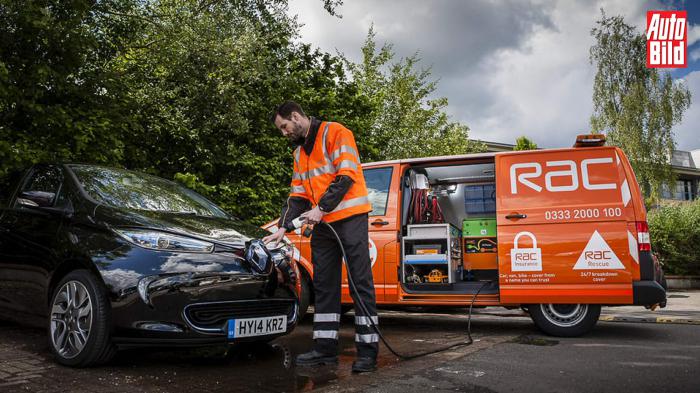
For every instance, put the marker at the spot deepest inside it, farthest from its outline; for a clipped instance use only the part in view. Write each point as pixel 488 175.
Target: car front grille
pixel 213 316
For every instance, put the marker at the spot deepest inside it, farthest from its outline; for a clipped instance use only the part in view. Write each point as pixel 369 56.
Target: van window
pixel 378 181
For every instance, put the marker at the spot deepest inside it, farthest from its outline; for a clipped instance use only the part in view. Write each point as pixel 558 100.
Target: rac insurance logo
pixel 667 39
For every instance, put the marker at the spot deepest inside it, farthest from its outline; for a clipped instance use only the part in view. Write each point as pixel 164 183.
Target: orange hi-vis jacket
pixel 335 155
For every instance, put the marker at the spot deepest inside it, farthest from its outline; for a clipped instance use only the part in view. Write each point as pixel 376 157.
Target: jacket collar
pixel 310 139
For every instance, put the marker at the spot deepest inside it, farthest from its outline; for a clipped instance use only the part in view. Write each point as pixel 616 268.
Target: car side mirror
pixel 36 198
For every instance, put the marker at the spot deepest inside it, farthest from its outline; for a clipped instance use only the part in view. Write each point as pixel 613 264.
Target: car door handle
pixel 380 222
pixel 516 216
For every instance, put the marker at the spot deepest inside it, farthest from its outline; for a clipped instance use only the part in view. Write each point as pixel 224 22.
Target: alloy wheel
pixel 71 319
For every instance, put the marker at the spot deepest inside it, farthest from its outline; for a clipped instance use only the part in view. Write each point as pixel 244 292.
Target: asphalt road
pixel 508 355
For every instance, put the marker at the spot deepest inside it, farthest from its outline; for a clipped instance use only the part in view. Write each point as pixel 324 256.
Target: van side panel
pixel 638 212
pixel 567 239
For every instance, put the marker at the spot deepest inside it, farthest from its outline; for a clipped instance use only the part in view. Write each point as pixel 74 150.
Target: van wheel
pixel 564 320
pixel 79 323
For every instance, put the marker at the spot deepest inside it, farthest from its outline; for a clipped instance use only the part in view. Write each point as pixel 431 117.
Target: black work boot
pixel 315 358
pixel 364 365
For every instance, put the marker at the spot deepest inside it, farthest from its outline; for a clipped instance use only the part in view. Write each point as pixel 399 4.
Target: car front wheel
pixel 79 321
pixel 564 320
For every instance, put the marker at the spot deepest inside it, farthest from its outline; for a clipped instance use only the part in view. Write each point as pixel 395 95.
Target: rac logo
pixel 527 256
pixel 525 173
pixel 598 255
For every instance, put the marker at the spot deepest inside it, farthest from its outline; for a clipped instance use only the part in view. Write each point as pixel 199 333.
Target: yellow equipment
pixel 436 276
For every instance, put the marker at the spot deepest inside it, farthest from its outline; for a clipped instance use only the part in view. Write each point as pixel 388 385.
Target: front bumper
pixel 196 313
pixel 152 305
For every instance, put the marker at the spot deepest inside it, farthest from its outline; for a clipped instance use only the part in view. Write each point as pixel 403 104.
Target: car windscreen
pixel 132 190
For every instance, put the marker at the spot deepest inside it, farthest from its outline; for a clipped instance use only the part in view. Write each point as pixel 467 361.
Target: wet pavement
pixel 26 365
pixel 503 340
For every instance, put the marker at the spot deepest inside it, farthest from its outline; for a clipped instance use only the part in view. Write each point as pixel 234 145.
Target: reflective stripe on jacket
pixel 334 153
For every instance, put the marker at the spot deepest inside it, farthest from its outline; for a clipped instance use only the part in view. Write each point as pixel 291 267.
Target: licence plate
pixel 263 326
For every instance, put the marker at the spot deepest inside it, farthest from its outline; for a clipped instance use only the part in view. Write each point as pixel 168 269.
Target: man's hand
pixel 313 216
pixel 275 237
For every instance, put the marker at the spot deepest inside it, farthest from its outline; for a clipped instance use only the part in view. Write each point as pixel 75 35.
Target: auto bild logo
pixel 667 39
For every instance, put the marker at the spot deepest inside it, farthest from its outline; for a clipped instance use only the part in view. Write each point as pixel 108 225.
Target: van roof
pixel 460 157
pixel 431 159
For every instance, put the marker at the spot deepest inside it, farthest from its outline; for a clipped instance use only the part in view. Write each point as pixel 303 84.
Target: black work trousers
pixel 326 257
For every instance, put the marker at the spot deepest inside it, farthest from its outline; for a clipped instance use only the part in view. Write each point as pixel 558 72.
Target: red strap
pixel 437 211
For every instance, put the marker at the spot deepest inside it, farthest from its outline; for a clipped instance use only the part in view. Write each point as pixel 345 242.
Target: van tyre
pixel 79 321
pixel 564 320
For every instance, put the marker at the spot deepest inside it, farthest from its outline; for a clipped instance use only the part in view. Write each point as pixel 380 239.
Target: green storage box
pixel 479 227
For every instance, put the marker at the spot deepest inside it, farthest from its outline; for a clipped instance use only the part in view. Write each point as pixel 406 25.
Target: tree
pixel 183 89
pixel 204 77
pixel 57 101
pixel 404 121
pixel 635 106
pixel 524 143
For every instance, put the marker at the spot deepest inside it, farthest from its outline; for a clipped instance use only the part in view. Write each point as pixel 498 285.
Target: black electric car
pixel 108 258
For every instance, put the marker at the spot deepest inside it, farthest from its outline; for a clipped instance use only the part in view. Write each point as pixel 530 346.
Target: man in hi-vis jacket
pixel 328 185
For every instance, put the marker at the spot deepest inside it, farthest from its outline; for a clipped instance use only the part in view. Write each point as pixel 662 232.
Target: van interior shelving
pixel 457 253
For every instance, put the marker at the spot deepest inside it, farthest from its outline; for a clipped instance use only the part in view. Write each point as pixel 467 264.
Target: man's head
pixel 291 120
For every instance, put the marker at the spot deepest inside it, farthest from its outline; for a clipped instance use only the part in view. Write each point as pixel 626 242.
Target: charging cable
pixel 298 223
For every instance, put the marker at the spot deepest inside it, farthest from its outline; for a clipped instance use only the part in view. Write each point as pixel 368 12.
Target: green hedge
pixel 675 237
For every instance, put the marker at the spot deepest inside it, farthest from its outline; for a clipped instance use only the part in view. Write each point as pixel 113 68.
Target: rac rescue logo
pixel 667 39
pixel 598 255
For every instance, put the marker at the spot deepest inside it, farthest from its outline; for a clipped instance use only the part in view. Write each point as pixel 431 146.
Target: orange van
pixel 558 232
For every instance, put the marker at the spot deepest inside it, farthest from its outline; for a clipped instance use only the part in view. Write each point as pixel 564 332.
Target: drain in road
pixel 529 340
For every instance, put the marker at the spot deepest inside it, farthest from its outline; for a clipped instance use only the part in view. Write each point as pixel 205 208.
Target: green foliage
pixel 56 100
pixel 202 81
pixel 404 122
pixel 524 143
pixel 636 106
pixel 183 89
pixel 675 236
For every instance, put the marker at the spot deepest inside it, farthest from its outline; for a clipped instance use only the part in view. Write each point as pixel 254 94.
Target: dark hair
pixel 285 109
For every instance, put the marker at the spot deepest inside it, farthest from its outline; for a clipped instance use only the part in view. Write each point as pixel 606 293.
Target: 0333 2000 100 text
pixel 568 214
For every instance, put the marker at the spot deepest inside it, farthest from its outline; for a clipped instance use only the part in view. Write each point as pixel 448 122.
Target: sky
pixel 508 68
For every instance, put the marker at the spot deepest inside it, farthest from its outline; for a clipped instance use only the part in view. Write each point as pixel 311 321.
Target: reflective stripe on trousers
pixel 367 338
pixel 365 321
pixel 331 334
pixel 326 317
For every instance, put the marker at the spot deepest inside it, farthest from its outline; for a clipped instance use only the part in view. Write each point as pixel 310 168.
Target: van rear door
pixel 562 227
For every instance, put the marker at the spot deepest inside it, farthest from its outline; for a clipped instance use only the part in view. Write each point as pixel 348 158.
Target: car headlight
pixel 258 256
pixel 155 240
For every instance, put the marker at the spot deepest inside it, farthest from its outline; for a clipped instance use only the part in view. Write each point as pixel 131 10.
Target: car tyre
pixel 79 321
pixel 564 320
